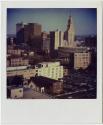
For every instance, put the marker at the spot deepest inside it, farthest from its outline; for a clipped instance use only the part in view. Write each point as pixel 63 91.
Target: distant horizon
pixel 84 19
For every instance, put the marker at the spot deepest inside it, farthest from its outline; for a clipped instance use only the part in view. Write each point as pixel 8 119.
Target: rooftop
pixel 17 57
pixel 43 81
pixel 14 87
pixel 76 49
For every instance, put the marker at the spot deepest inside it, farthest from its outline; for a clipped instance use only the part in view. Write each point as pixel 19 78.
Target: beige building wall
pixel 19 62
pixel 61 38
pixel 56 40
pixel 17 93
pixel 32 85
pixel 15 51
pixel 82 60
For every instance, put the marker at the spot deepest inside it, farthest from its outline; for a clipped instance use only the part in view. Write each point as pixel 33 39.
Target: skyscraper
pixel 80 57
pixel 20 33
pixel 69 35
pixel 19 26
pixel 45 42
pixel 27 32
pixel 61 38
pixel 56 39
pixel 34 30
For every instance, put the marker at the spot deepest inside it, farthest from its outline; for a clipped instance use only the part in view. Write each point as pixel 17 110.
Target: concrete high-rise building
pixel 56 40
pixel 34 30
pixel 54 43
pixel 20 33
pixel 19 26
pixel 45 42
pixel 33 35
pixel 61 39
pixel 27 32
pixel 70 33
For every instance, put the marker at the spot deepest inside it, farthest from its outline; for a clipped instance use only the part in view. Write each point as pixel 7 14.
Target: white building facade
pixel 51 70
pixel 15 92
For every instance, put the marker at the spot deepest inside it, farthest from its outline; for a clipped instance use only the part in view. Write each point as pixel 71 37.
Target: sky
pixel 84 19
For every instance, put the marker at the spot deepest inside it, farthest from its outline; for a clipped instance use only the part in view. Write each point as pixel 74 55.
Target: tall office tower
pixel 61 39
pixel 20 32
pixel 33 35
pixel 19 26
pixel 26 33
pixel 70 33
pixel 45 42
pixel 56 39
pixel 34 30
pixel 54 43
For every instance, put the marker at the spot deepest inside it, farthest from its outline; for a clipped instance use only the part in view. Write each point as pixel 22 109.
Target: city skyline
pixel 55 65
pixel 84 19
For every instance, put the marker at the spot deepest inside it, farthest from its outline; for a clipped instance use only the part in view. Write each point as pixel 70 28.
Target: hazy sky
pixel 85 20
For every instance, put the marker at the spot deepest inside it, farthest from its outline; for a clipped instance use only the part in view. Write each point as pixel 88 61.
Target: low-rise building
pixel 82 60
pixel 31 53
pixel 15 92
pixel 79 57
pixel 21 70
pixel 15 51
pixel 66 71
pixel 8 63
pixel 51 70
pixel 17 61
pixel 47 85
pixel 31 85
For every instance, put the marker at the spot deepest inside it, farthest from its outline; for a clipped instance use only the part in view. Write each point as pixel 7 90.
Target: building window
pixel 15 96
pixel 36 70
pixel 20 90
